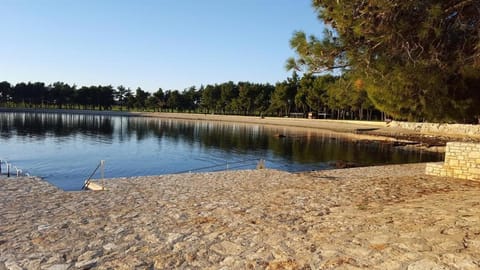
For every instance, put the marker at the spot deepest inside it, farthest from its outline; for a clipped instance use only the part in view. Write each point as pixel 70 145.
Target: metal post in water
pixel 0 166
pixel 261 164
pixel 102 173
pixel 8 170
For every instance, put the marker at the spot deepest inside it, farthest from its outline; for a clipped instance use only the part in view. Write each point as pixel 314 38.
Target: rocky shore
pixel 386 217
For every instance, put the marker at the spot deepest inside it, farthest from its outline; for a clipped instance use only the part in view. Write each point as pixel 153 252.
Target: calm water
pixel 66 148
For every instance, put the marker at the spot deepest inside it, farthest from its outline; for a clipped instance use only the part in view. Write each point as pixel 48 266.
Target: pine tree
pixel 418 60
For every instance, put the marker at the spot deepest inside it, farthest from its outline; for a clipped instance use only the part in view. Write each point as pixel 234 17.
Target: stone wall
pixel 447 129
pixel 462 160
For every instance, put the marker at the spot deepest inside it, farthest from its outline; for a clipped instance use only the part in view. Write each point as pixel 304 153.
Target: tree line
pixel 328 96
pixel 410 60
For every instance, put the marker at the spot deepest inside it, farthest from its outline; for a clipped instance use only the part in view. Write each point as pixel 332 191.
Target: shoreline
pixel 383 217
pixel 360 130
pixel 378 217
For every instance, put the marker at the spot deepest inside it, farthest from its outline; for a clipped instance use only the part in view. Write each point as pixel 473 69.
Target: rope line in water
pixel 226 165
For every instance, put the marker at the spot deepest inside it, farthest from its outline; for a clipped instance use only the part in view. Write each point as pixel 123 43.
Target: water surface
pixel 66 148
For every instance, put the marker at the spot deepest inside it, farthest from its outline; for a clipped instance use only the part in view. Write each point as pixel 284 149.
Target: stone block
pixel 475 171
pixel 474 155
pixel 434 168
pixel 449 173
pixel 462 160
pixel 452 162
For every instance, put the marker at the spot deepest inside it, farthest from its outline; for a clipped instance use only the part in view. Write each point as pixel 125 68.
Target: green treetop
pixel 417 60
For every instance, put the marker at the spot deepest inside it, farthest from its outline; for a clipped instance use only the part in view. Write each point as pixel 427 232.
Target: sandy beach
pixel 386 217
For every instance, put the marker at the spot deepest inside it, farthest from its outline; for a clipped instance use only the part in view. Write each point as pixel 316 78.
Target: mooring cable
pixel 226 164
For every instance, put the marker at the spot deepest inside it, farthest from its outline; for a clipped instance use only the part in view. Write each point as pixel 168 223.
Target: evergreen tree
pixel 418 60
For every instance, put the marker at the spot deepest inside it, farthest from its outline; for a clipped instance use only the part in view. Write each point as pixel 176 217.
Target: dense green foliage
pixel 294 96
pixel 416 60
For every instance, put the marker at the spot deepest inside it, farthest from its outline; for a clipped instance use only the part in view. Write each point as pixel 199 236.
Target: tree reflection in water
pixel 137 145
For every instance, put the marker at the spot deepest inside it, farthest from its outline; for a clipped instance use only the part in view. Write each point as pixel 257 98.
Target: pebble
pixel 86 264
pixel 383 217
pixel 59 267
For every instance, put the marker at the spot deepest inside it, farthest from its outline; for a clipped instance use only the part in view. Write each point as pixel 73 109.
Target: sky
pixel 172 44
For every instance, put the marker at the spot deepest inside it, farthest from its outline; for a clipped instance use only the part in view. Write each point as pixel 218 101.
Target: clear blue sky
pixel 173 44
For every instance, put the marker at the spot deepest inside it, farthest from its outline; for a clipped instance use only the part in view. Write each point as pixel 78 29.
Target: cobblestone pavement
pixel 386 217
